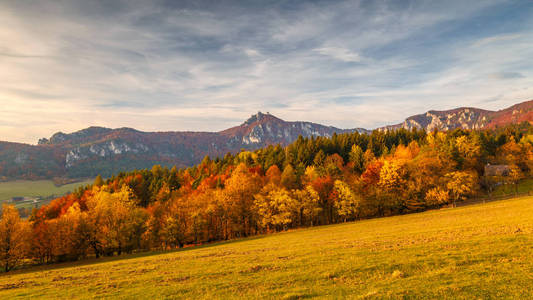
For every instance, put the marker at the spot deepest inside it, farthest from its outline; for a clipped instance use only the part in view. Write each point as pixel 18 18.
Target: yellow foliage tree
pixel 470 151
pixel 239 193
pixel 14 237
pixel 392 175
pixel 357 158
pixel 515 175
pixel 307 200
pixel 310 175
pixel 277 208
pixel 173 231
pixel 69 239
pixel 347 203
pixel 120 223
pixel 461 184
pixel 436 196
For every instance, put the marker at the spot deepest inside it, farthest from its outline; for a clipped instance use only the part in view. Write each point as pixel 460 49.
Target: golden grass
pixel 474 252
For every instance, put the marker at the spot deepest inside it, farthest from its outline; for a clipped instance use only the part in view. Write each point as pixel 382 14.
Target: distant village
pixel 26 204
pixel 20 200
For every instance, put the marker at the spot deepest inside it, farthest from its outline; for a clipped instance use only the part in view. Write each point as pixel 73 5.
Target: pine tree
pixel 98 181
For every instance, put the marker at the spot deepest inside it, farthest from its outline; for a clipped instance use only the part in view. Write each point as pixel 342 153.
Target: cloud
pixel 207 66
pixel 339 53
pixel 496 39
pixel 506 75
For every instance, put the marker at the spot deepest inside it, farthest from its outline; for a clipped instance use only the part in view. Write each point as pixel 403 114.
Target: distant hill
pixel 106 151
pixel 468 118
pixel 99 150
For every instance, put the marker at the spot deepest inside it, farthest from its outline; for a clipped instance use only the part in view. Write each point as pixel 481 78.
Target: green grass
pixel 524 186
pixel 474 252
pixel 38 188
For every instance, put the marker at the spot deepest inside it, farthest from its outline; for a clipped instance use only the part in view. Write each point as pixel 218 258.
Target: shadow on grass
pixel 94 261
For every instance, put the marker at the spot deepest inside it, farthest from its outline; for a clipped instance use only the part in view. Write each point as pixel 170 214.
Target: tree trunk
pixel 96 252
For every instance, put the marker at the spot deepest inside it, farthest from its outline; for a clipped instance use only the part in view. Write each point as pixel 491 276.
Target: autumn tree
pixel 392 176
pixel 323 187
pixel 14 238
pixel 371 175
pixel 310 174
pixel 239 192
pixel 460 185
pixel 174 227
pixel 309 209
pixel 347 203
pixel 333 165
pixel 319 159
pixel 68 239
pixel 515 175
pixel 288 178
pixel 153 237
pixel 277 208
pixel 119 221
pixel 98 181
pixel 511 153
pixel 273 175
pixel 469 151
pixel 436 197
pixel 41 242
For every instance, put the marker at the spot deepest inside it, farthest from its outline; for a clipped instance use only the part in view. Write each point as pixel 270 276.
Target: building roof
pixel 497 170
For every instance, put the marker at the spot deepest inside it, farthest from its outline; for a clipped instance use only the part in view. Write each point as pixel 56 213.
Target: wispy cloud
pixel 207 66
pixel 506 75
pixel 340 53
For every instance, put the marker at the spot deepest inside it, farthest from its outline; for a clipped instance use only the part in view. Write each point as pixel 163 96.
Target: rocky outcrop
pixel 105 149
pixel 467 118
pixel 263 129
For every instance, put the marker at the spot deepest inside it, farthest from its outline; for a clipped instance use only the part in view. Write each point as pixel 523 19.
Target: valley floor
pixel 41 190
pixel 478 251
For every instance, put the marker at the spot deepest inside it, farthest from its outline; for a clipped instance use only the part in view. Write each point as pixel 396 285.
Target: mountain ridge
pixel 467 118
pixel 100 150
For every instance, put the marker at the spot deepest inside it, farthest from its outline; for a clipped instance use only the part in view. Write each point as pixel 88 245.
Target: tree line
pixel 313 181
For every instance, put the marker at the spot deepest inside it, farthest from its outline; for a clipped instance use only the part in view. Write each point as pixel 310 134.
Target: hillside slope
pixel 478 251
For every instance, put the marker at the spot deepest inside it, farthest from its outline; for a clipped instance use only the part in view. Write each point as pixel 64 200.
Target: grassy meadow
pixel 37 188
pixel 480 251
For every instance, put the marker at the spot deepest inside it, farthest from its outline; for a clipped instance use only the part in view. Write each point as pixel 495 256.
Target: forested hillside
pixel 313 181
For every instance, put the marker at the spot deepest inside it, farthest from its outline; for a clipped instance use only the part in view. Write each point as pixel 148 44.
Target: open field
pixel 479 251
pixel 38 188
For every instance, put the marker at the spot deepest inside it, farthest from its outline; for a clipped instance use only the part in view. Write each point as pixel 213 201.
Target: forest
pixel 311 182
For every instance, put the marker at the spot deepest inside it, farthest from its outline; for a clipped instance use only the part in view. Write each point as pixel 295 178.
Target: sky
pixel 209 65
